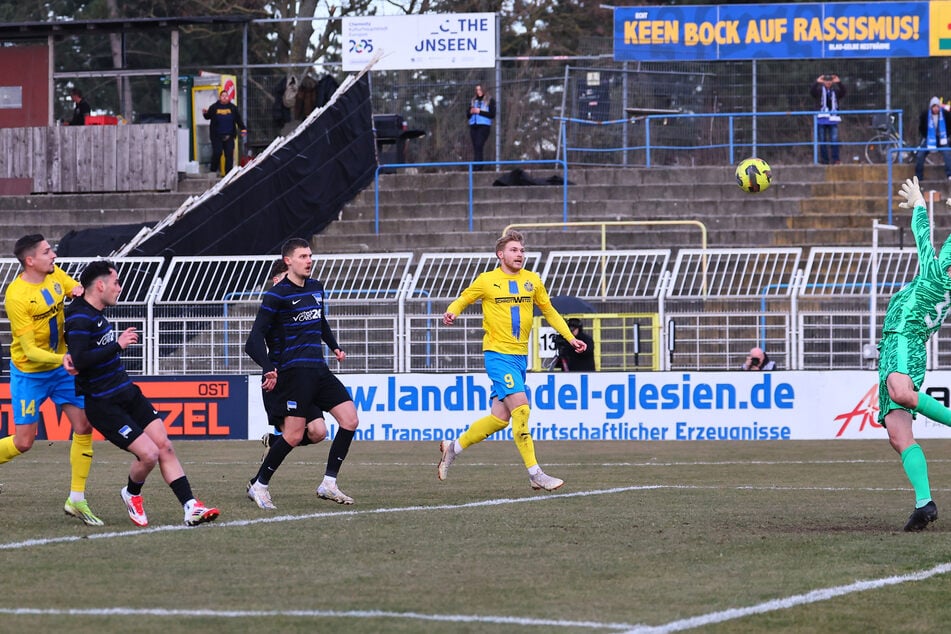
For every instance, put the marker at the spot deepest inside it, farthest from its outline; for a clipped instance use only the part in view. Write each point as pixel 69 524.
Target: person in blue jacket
pixel 933 125
pixel 481 111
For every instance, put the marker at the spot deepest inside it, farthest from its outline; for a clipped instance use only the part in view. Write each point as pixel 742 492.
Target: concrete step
pixel 806 205
pixel 630 176
pixel 872 207
pixel 88 202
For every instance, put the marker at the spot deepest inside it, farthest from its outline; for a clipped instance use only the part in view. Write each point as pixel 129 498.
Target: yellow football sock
pixel 481 429
pixel 522 436
pixel 8 450
pixel 80 461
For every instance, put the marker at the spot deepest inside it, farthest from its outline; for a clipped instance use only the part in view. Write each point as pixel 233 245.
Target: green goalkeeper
pixel 914 314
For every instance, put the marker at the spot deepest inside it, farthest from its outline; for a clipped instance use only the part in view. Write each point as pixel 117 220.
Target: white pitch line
pixel 674 626
pixel 789 602
pixel 32 543
pixel 270 519
pixel 362 614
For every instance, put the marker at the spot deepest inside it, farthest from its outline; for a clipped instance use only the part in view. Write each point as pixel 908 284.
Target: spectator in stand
pixel 933 125
pixel 81 108
pixel 569 358
pixel 480 113
pixel 225 124
pixel 828 91
pixel 758 360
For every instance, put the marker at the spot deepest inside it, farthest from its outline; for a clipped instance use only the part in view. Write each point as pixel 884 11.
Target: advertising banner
pixel 645 406
pixel 193 407
pixel 411 42
pixel 783 31
pixel 642 406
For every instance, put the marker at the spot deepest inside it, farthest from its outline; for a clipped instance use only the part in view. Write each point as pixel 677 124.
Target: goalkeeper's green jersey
pixel 919 308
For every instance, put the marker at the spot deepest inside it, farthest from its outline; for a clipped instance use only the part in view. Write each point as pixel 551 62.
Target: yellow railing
pixel 604 224
pixel 620 343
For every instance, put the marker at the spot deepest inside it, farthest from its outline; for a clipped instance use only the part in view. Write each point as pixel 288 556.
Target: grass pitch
pixel 644 537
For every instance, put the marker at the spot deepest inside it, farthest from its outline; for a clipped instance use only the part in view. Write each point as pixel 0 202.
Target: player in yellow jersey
pixel 39 367
pixel 508 296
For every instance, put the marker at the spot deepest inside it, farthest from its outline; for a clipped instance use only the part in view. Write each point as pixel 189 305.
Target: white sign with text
pixel 410 42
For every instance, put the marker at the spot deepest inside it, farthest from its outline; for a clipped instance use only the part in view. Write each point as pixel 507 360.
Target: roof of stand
pixel 33 30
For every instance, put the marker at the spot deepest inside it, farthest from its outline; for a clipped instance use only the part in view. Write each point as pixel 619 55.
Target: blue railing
pixel 891 162
pixel 735 150
pixel 469 165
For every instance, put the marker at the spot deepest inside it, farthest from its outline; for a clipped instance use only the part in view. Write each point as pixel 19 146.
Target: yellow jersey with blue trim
pixel 36 320
pixel 507 309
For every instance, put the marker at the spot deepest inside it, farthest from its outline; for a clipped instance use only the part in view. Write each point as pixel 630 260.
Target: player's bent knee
pixel 82 428
pixel 149 458
pixel 23 445
pixel 903 395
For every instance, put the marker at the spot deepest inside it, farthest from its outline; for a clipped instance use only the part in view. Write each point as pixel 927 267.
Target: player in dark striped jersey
pixel 914 314
pixel 316 429
pixel 291 319
pixel 115 405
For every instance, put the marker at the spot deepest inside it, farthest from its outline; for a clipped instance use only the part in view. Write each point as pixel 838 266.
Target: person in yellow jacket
pixel 508 293
pixel 39 366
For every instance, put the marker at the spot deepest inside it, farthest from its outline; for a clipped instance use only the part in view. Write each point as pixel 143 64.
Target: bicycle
pixel 877 148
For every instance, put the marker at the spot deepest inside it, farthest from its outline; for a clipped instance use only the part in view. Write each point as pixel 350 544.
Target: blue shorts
pixel 507 373
pixel 28 390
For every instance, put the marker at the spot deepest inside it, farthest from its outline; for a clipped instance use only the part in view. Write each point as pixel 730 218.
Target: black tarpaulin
pixel 293 191
pixel 98 241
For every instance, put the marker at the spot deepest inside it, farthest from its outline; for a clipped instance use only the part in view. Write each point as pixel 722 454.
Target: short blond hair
pixel 510 236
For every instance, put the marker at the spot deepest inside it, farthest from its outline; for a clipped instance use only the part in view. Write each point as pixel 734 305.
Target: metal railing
pixel 734 140
pixel 898 152
pixel 702 311
pixel 469 165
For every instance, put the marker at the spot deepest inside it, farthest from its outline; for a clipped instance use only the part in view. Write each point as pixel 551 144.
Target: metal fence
pixel 530 90
pixel 701 312
pixel 720 139
pixel 533 93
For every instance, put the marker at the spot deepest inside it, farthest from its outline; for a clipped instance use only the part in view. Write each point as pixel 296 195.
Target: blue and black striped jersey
pixel 91 342
pixel 291 327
